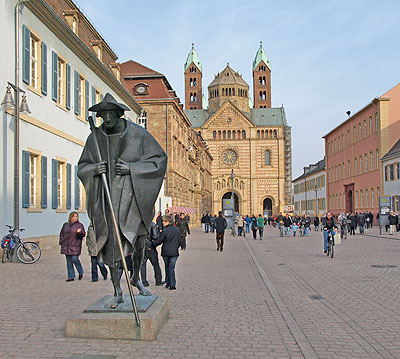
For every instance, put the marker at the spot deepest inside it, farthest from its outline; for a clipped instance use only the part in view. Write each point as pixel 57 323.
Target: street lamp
pixel 305 195
pixel 316 202
pixel 233 201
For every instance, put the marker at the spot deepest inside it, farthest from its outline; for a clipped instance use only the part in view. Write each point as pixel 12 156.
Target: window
pixel 356 199
pixel 60 81
pixel 355 166
pixel 386 173
pixel 348 138
pixel 391 171
pixel 366 162
pixel 370 125
pixel 34 59
pixel 365 128
pixel 214 135
pixel 344 171
pixel 376 121
pixel 243 134
pixel 397 170
pixel 361 164
pixel 377 159
pixel 378 192
pixel 348 168
pixel 142 120
pixel 366 198
pixel 267 158
pixel 81 95
pixel 354 134
pixel 33 165
pixel 334 146
pixel 371 155
pixel 60 184
pixel 359 131
pixel 34 180
pixel 361 199
pixel 372 198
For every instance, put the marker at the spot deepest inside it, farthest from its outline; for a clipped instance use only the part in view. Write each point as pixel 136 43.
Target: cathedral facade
pixel 250 143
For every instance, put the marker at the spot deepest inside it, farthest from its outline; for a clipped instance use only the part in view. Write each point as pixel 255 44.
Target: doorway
pixel 267 206
pixel 228 195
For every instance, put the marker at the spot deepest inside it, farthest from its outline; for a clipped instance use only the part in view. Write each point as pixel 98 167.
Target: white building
pixel 65 67
pixel 391 175
pixel 309 192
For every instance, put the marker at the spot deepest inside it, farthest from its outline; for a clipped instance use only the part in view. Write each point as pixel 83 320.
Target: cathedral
pixel 250 141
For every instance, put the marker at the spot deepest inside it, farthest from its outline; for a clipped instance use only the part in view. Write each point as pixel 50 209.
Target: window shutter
pixel 44 182
pixel 77 189
pixel 69 186
pixel 44 68
pixel 26 54
pixel 54 184
pixel 93 96
pixel 68 91
pixel 76 93
pixel 54 75
pixel 25 179
pixel 86 99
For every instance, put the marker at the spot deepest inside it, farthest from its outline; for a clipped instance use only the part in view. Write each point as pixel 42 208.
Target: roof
pixel 197 117
pixel 261 56
pixel 228 76
pixel 257 116
pixel 393 152
pixel 311 169
pixel 133 68
pixel 193 57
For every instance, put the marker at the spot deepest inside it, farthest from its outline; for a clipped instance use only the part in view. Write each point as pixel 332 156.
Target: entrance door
pixel 228 195
pixel 267 206
pixel 349 191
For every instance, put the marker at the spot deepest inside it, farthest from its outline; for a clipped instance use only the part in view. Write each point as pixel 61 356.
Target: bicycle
pixel 331 244
pixel 27 252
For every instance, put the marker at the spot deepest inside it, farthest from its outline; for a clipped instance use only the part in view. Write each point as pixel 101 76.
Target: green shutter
pixel 77 189
pixel 25 179
pixel 54 184
pixel 76 93
pixel 54 76
pixel 44 182
pixel 68 90
pixel 69 186
pixel 86 99
pixel 44 68
pixel 26 54
pixel 93 95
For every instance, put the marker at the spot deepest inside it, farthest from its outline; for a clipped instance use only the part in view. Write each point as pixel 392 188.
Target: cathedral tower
pixel 261 79
pixel 193 81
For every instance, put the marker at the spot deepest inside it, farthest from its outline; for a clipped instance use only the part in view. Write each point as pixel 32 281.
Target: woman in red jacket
pixel 71 236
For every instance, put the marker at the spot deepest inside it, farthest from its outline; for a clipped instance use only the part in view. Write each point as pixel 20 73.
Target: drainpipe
pixel 166 149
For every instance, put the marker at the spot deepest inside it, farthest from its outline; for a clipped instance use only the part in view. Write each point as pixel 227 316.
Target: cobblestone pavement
pixel 275 298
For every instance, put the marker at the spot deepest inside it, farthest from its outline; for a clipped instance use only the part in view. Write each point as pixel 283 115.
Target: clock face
pixel 229 157
pixel 141 89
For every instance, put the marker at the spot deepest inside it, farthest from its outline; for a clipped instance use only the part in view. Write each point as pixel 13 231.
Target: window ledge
pixel 61 210
pixel 35 90
pixel 80 119
pixel 34 210
pixel 62 107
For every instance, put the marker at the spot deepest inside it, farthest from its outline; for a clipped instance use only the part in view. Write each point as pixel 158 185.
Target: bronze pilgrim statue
pixel 134 165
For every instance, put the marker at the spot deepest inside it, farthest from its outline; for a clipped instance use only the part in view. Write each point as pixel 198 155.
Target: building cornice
pixel 42 10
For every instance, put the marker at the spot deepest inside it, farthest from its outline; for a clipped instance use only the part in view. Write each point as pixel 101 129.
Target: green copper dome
pixel 193 57
pixel 261 56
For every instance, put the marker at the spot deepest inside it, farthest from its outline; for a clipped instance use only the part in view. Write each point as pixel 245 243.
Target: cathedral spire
pixel 193 58
pixel 261 56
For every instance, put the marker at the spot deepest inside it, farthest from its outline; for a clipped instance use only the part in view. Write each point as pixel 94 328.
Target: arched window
pixel 233 92
pixel 267 158
pixel 243 134
pixel 261 95
pixel 260 80
pixel 264 82
pixel 234 134
pixel 258 134
pixel 230 91
pixel 214 135
pixel 194 97
pixel 224 134
pixel 194 82
pixel 238 133
pixel 219 135
pixel 266 133
pixel 223 91
pixel 229 134
pixel 275 134
pixel 264 95
pixel 270 133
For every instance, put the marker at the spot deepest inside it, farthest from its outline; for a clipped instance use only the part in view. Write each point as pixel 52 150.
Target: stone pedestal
pixel 99 322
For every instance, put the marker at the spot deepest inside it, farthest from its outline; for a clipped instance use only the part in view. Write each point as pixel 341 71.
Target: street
pixel 275 298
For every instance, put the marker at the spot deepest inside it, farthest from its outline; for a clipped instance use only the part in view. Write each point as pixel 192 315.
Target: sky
pixel 327 57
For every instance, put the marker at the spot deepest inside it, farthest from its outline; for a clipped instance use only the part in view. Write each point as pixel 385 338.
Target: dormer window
pixel 72 19
pixel 97 46
pixel 115 68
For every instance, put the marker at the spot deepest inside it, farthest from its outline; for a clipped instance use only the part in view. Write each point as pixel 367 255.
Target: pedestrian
pixel 159 222
pixel 361 222
pixel 92 249
pixel 71 236
pixel 212 223
pixel 254 227
pixel 151 254
pixel 287 223
pixel 206 223
pixel 183 227
pixel 316 224
pixel 353 224
pixel 295 225
pixel 171 240
pixel 307 225
pixel 260 225
pixel 203 223
pixel 248 222
pixel 240 223
pixel 220 226
pixel 393 221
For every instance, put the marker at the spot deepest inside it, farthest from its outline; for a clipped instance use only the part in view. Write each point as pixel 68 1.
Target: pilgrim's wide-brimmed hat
pixel 109 103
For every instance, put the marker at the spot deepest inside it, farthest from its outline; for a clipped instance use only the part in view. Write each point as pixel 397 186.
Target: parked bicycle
pixel 27 252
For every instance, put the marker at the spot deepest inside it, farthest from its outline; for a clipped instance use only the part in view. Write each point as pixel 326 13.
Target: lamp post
pixel 305 195
pixel 233 201
pixel 316 202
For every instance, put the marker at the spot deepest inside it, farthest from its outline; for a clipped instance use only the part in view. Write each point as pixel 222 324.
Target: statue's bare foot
pixel 117 299
pixel 142 290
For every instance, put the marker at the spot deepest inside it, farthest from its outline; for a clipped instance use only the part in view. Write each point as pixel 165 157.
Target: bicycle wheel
pixel 4 256
pixel 28 253
pixel 331 252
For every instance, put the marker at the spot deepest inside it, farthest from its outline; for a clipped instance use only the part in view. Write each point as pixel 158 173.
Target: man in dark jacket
pixel 361 222
pixel 183 226
pixel 170 238
pixel 220 226
pixel 329 225
pixel 150 253
pixel 207 223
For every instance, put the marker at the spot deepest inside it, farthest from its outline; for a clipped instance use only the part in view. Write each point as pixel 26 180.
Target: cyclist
pixel 329 226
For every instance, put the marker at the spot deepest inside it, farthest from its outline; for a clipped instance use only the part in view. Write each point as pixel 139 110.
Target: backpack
pixel 10 239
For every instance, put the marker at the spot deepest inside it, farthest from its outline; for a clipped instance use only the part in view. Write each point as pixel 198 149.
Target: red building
pixel 353 150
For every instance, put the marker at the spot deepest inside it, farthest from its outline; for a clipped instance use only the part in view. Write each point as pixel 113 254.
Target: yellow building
pixel 252 140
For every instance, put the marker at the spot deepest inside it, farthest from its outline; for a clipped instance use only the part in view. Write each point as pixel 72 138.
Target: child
pixel 295 226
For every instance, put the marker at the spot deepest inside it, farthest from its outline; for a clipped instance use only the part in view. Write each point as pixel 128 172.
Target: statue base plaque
pixel 99 322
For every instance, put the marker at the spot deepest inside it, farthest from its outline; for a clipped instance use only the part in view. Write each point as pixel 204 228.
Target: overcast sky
pixel 327 57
